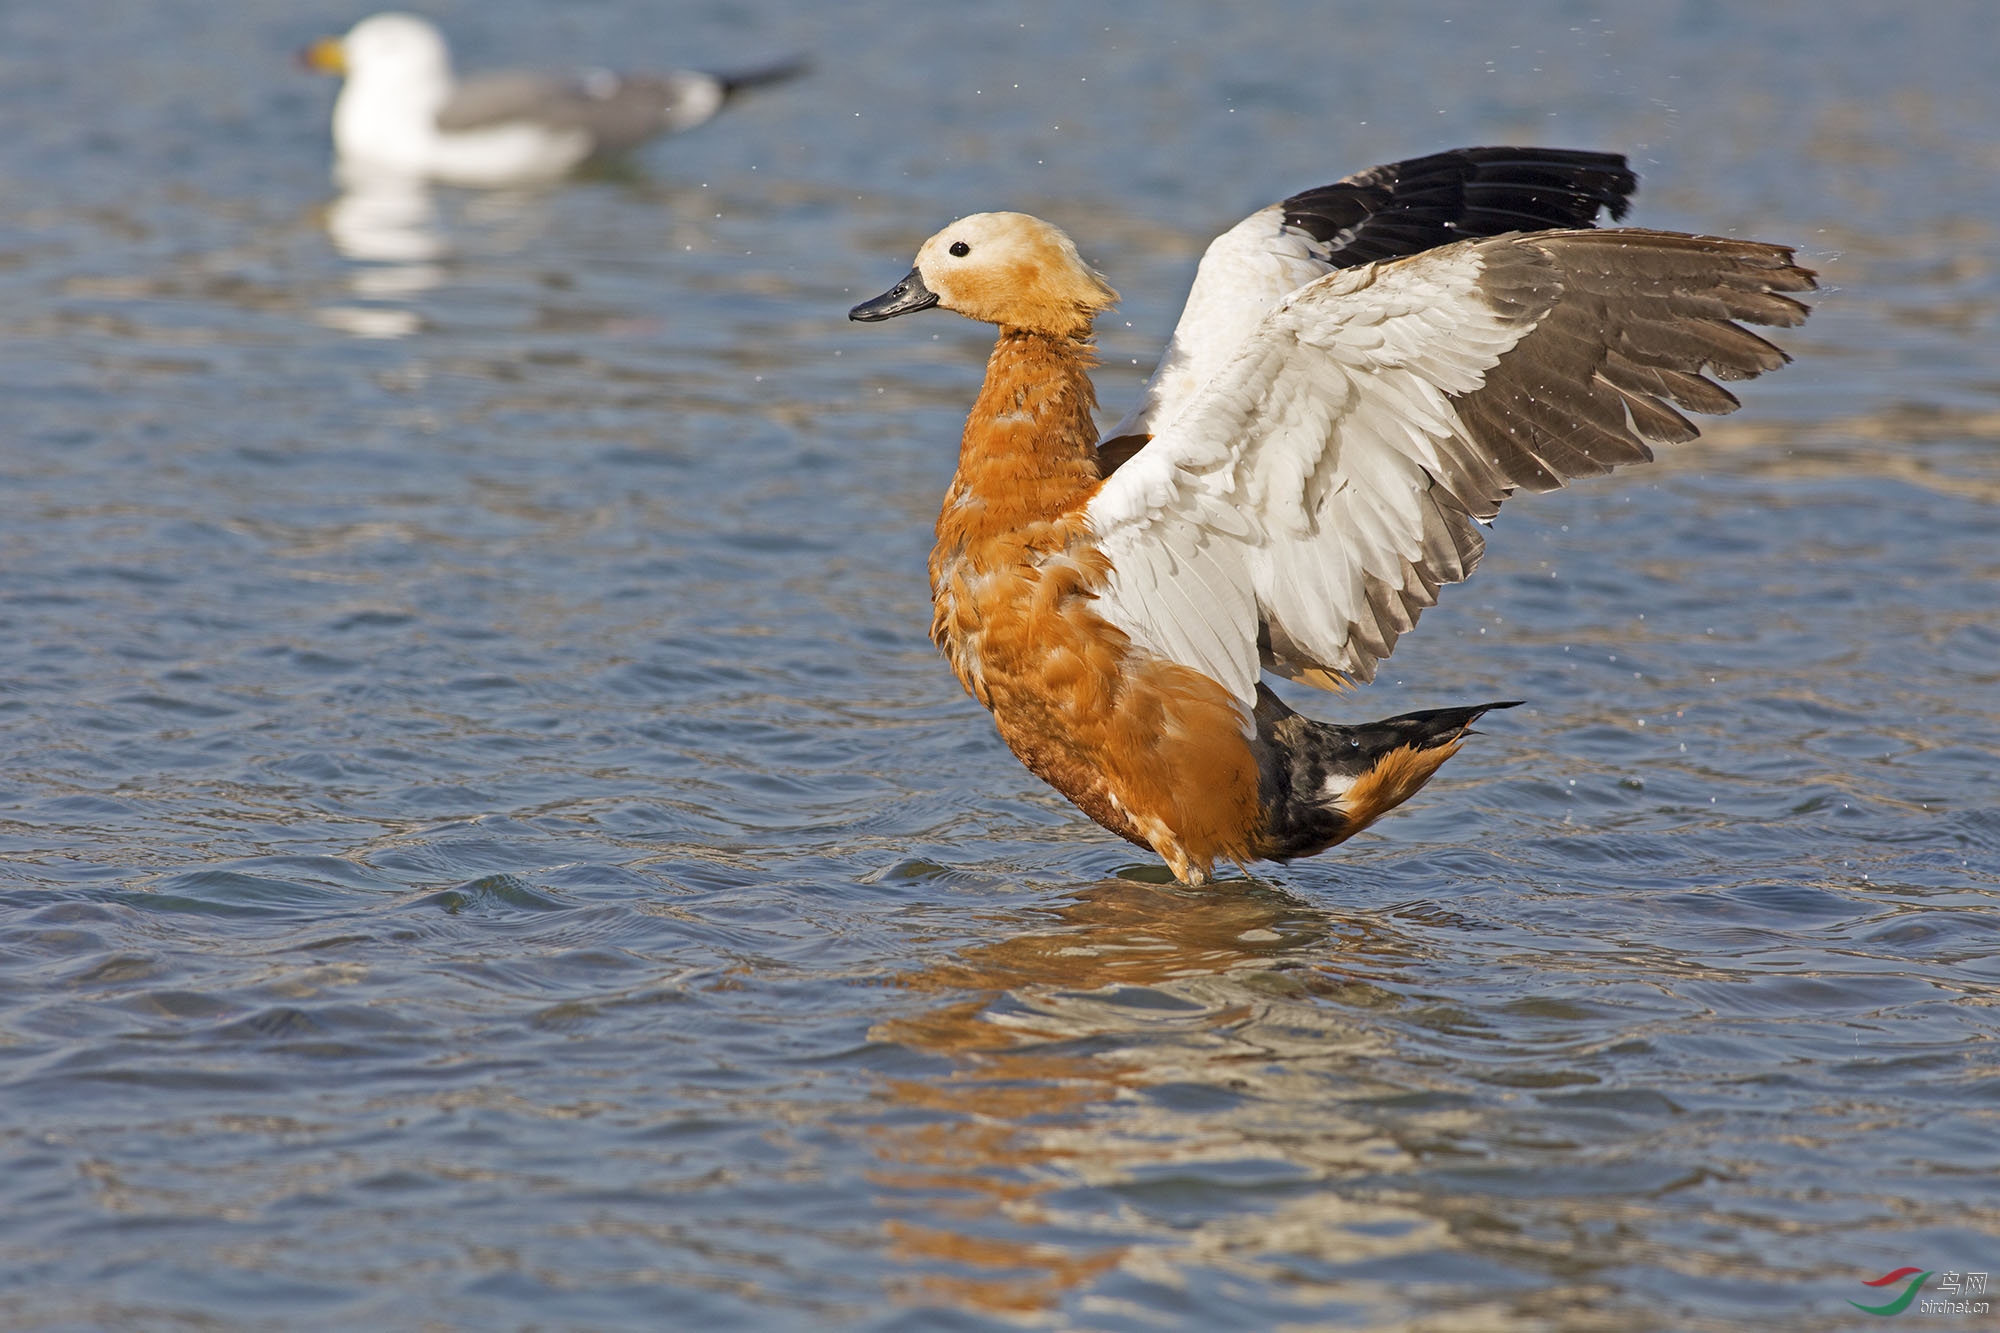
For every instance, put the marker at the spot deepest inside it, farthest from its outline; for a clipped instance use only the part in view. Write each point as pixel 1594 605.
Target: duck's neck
pixel 1030 446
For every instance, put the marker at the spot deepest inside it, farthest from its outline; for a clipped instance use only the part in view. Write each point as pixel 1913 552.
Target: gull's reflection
pixel 1128 1034
pixel 387 226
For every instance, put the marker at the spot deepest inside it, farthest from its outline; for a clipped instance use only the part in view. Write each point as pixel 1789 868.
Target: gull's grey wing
pixel 486 100
pixel 618 111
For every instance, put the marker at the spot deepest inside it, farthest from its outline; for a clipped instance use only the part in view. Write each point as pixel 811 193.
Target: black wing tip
pixel 1403 208
pixel 1477 711
pixel 1428 728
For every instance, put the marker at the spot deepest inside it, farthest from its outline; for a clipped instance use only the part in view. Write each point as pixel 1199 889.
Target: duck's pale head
pixel 1003 268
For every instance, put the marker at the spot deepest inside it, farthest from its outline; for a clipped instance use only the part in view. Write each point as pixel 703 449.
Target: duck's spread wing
pixel 1308 503
pixel 1385 212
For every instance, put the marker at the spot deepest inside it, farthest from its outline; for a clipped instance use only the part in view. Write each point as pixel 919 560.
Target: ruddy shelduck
pixel 401 113
pixel 1362 374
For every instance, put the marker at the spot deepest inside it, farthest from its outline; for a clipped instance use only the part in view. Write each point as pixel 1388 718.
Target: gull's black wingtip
pixel 784 71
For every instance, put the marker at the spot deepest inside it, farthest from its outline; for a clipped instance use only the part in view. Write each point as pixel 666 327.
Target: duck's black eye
pixel 960 249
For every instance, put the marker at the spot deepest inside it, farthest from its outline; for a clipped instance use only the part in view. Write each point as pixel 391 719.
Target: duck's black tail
pixel 1322 783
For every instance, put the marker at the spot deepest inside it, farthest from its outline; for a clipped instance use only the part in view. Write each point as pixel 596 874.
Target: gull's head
pixel 1003 268
pixel 397 48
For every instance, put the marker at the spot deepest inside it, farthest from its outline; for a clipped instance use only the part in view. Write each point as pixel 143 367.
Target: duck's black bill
pixel 907 295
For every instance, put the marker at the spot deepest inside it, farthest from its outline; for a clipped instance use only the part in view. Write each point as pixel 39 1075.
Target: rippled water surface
pixel 485 842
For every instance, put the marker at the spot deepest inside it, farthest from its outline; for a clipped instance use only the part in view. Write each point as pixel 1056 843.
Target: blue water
pixel 485 842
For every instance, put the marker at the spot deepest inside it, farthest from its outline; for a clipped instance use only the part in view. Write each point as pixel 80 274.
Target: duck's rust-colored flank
pixel 1013 577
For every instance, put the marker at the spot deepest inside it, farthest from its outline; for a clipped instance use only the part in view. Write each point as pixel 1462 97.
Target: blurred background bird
pixel 401 112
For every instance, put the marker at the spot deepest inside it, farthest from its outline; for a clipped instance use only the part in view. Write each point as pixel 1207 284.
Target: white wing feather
pixel 1300 478
pixel 1243 275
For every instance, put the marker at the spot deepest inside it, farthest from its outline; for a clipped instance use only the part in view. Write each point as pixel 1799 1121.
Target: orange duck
pixel 1361 375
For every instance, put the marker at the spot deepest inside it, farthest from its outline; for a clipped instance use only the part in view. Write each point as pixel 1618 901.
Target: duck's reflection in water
pixel 1157 1072
pixel 388 227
